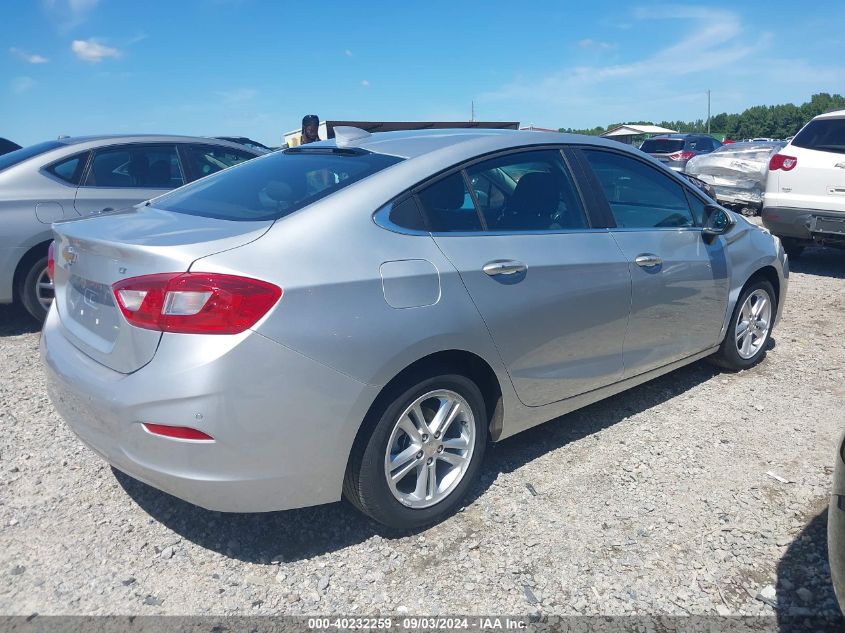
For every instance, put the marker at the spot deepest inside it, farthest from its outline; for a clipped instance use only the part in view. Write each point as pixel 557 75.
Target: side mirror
pixel 717 221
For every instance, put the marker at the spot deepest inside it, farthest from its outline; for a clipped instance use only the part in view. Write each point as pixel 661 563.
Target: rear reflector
pixel 51 259
pixel 195 303
pixel 179 432
pixel 782 161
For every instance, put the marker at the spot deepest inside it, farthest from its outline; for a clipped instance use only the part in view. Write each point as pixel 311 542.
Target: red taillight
pixel 179 432
pixel 195 303
pixel 51 259
pixel 782 161
pixel 681 155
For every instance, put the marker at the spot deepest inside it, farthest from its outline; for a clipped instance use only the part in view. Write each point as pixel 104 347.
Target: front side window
pixel 639 196
pixel 204 160
pixel 528 191
pixel 274 185
pixel 135 166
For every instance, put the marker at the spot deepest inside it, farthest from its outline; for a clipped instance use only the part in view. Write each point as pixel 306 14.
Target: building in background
pixel 634 134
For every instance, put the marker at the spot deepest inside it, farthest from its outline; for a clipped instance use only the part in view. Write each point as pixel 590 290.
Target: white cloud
pixel 30 58
pixel 712 48
pixel 236 96
pixel 589 43
pixel 347 52
pixel 68 14
pixel 92 51
pixel 21 85
pixel 135 40
pixel 365 83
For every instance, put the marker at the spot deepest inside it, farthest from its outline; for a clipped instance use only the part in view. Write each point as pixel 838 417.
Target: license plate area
pixel 823 224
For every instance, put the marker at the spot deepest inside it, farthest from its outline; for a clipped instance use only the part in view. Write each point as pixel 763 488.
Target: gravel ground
pixel 699 492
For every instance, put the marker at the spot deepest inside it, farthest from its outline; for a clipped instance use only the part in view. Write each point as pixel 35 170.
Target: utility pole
pixel 708 110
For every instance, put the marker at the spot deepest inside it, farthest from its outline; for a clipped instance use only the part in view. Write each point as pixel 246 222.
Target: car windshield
pixel 827 135
pixel 276 185
pixel 25 153
pixel 662 145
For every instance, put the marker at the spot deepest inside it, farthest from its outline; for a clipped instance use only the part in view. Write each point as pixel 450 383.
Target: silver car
pixel 75 177
pixel 359 317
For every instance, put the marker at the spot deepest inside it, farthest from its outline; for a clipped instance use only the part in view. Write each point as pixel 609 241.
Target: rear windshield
pixel 827 135
pixel 662 145
pixel 274 186
pixel 25 153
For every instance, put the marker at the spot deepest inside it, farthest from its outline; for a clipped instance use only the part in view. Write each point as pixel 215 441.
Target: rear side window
pixel 135 167
pixel 527 191
pixel 662 145
pixel 69 169
pixel 826 135
pixel 204 160
pixel 276 185
pixel 639 196
pixel 448 206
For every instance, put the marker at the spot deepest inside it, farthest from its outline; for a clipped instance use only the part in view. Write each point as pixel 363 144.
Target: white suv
pixel 805 188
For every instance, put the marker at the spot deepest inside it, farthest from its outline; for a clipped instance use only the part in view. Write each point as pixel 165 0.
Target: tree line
pixel 777 121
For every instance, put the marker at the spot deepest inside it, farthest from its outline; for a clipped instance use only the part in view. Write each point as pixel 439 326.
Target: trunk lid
pixel 92 254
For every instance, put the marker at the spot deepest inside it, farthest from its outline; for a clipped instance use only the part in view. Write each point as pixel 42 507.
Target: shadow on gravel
pixel 805 598
pixel 824 262
pixel 301 534
pixel 14 321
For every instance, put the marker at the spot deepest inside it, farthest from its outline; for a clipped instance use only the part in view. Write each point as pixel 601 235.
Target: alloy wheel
pixel 430 448
pixel 753 324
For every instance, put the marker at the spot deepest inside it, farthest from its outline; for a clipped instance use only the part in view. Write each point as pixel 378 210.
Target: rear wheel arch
pixel 455 361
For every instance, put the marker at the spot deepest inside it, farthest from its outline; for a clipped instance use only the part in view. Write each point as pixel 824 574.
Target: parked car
pixel 7 146
pixel 243 140
pixel 358 316
pixel 737 173
pixel 675 150
pixel 75 177
pixel 836 526
pixel 805 188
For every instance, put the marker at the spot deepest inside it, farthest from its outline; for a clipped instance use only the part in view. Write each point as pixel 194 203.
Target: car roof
pixel 148 138
pixel 836 114
pixel 417 143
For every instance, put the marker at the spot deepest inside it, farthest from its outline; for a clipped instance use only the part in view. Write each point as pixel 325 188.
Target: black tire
pixel 728 355
pixel 793 248
pixel 27 288
pixel 365 484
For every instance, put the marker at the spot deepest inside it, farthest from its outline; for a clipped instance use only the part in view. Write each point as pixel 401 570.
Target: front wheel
pixel 419 453
pixel 749 329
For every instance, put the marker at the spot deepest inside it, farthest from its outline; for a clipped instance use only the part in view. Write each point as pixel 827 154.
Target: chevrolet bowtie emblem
pixel 69 255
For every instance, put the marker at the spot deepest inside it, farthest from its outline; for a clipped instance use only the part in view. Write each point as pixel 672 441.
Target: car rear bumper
pixel 802 223
pixel 282 424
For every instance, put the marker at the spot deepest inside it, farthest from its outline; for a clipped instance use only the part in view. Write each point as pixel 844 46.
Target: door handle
pixel 504 267
pixel 647 260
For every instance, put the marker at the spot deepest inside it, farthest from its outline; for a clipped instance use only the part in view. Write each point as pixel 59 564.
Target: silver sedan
pixel 76 177
pixel 359 317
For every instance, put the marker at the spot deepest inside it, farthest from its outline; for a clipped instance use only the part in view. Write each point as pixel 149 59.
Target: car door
pixel 679 279
pixel 120 176
pixel 553 292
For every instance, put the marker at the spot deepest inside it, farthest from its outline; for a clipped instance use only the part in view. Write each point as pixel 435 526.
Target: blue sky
pixel 254 67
